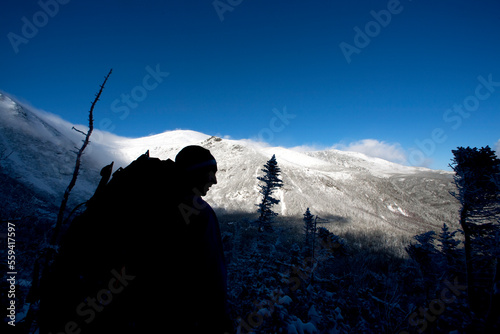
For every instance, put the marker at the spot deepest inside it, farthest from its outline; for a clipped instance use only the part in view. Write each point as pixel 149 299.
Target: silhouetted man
pixel 206 269
pixel 146 255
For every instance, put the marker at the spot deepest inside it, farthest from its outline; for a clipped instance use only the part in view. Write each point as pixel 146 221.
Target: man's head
pixel 198 168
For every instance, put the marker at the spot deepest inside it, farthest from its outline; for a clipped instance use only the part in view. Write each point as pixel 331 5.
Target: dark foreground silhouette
pixel 146 255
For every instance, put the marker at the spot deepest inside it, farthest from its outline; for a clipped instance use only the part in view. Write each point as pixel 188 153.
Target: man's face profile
pixel 198 168
pixel 201 180
pixel 207 180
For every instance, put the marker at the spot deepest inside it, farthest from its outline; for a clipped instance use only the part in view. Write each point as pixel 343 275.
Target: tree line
pixel 466 259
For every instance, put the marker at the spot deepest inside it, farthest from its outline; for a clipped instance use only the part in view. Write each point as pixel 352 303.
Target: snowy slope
pixel 35 150
pixel 347 188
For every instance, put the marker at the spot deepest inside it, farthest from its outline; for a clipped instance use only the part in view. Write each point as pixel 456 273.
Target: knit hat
pixel 194 157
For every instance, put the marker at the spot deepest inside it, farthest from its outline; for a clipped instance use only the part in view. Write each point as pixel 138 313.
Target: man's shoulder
pixel 206 208
pixel 195 211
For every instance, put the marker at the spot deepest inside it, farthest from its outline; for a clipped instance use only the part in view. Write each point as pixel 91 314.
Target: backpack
pixel 145 176
pixel 122 228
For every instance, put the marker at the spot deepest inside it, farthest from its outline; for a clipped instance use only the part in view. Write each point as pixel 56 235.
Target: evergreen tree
pixel 449 249
pixel 424 252
pixel 310 232
pixel 271 182
pixel 477 172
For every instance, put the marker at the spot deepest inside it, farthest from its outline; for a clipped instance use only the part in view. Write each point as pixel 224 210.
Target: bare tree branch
pixel 83 133
pixel 62 208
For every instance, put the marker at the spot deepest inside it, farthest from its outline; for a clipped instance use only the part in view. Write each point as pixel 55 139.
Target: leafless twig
pixel 62 208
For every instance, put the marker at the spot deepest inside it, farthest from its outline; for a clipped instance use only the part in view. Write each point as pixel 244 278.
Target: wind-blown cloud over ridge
pixel 49 127
pixel 392 152
pixel 377 149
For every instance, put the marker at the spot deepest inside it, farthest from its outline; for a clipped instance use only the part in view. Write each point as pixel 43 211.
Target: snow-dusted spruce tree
pixel 476 177
pixel 450 252
pixel 310 232
pixel 270 183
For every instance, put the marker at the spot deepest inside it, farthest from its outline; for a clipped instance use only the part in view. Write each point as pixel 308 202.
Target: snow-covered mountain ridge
pixel 37 150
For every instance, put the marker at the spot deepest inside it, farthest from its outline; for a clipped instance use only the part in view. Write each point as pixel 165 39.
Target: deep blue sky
pixel 227 76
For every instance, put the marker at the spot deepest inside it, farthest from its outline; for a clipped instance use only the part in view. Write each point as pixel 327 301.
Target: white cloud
pixel 378 149
pixel 497 148
pixel 310 148
pixel 371 147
